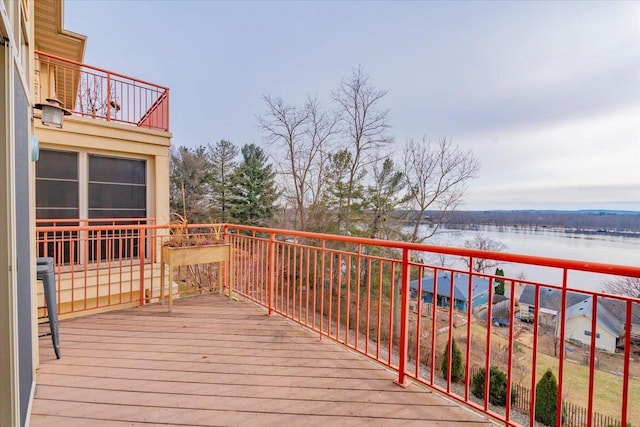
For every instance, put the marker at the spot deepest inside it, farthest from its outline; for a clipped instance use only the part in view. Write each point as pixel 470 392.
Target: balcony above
pixel 91 92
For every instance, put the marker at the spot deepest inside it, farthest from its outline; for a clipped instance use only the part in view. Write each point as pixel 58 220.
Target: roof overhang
pixel 50 35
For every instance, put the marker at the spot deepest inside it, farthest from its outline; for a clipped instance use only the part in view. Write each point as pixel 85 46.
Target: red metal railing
pixel 368 295
pixel 93 92
pixel 100 266
pixel 114 262
pixel 364 293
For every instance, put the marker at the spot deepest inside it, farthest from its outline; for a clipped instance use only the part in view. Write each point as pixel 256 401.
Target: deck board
pixel 218 362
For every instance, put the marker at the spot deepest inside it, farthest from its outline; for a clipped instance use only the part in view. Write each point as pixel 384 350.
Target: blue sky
pixel 545 94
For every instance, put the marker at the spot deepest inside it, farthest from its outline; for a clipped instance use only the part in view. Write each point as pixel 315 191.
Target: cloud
pixel 622 196
pixel 546 94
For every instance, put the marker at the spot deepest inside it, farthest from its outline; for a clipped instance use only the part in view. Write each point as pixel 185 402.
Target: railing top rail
pixel 587 266
pixel 593 267
pixel 90 220
pixel 102 70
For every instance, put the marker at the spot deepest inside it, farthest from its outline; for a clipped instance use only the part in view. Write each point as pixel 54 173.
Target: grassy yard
pixel 607 396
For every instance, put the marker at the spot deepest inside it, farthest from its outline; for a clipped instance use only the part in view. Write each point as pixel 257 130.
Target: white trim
pixel 7 32
pixel 32 396
pixel 83 185
pixel 548 311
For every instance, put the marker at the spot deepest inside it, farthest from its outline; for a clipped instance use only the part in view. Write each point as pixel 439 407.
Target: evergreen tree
pixel 547 399
pixel 497 386
pixel 500 287
pixel 253 189
pixel 382 199
pixel 189 183
pixel 335 199
pixel 457 370
pixel 222 158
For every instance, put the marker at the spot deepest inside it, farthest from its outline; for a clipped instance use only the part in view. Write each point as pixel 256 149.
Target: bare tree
pixel 301 134
pixel 322 126
pixel 283 126
pixel 94 101
pixel 483 243
pixel 629 286
pixel 436 174
pixel 364 125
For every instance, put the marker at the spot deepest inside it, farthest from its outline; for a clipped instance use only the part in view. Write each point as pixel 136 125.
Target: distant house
pixel 479 291
pixel 610 323
pixel 578 325
pixel 619 310
pixel 549 304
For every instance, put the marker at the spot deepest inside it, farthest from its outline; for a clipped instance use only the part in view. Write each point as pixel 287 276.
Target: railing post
pixel 627 355
pixel 227 272
pixel 166 123
pixel 404 319
pixel 534 353
pixel 560 327
pixel 108 97
pixel 272 271
pixel 141 256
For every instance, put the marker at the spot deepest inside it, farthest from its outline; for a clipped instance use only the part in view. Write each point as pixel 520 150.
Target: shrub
pixel 457 370
pixel 547 399
pixel 497 386
pixel 500 286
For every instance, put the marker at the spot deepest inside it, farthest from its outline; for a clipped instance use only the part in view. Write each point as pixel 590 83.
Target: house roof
pixel 50 34
pixel 618 309
pixel 549 298
pixel 460 285
pixel 605 318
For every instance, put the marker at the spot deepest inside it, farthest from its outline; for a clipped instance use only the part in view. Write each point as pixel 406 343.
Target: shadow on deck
pixel 214 361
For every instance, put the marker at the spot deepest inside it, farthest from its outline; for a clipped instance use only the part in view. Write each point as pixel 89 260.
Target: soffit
pixel 50 35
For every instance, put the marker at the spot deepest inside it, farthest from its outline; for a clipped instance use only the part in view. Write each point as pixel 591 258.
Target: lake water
pixel 547 242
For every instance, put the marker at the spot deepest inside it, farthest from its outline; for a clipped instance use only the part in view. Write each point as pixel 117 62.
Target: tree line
pixel 580 221
pixel 331 168
pixel 208 184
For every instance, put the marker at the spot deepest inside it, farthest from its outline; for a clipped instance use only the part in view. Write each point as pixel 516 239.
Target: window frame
pixel 84 256
pixel 588 333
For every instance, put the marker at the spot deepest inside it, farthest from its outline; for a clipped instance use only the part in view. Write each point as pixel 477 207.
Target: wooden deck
pixel 215 361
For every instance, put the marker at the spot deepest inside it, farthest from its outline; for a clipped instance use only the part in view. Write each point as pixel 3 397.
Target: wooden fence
pixel 575 415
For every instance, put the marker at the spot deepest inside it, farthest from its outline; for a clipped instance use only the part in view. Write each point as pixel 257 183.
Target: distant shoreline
pixel 588 222
pixel 541 228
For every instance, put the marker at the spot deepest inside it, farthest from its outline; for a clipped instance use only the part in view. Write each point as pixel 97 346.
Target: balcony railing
pixel 381 300
pixel 92 92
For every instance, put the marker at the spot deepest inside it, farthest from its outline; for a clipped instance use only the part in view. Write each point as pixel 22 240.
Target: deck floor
pixel 219 362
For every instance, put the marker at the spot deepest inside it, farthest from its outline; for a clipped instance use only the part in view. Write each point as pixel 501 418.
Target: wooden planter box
pixel 193 255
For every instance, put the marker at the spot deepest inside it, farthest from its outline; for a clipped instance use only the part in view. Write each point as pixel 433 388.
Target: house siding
pixel 480 299
pixel 89 136
pixel 575 330
pixel 17 335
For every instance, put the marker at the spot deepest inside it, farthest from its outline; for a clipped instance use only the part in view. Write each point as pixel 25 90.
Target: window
pixel 57 195
pixel 588 333
pixel 71 185
pixel 117 187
